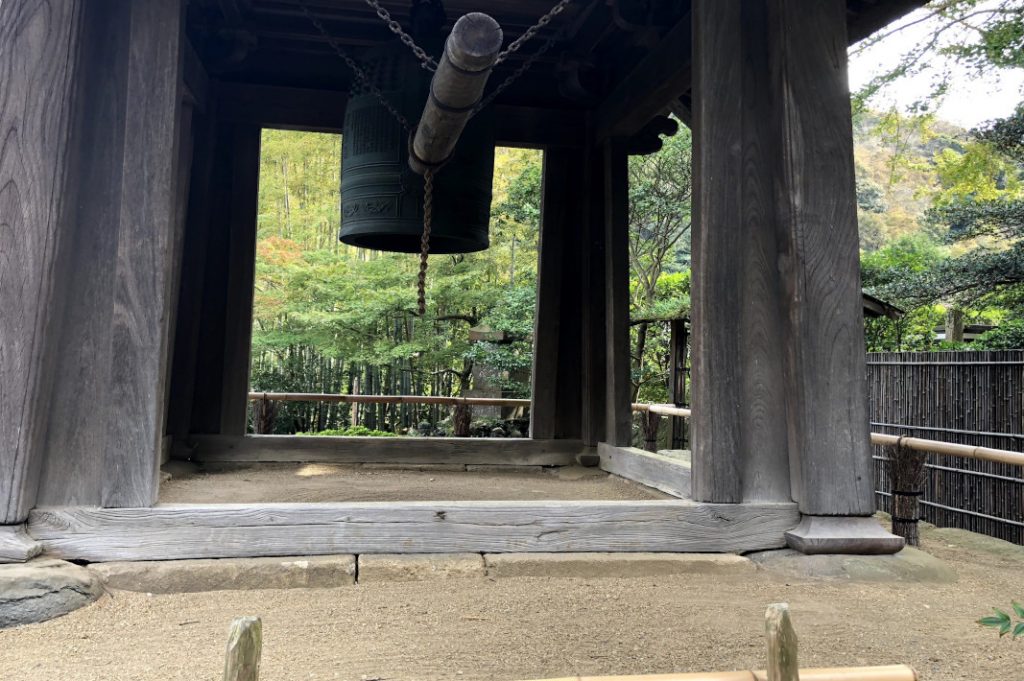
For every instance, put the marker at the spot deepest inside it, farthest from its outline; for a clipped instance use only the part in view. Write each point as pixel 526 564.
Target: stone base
pixel 842 534
pixel 410 567
pixel 615 565
pixel 190 576
pixel 42 589
pixel 909 565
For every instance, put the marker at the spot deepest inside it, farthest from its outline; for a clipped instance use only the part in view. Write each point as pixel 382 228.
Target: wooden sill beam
pixel 177 531
pixel 650 88
pixel 398 450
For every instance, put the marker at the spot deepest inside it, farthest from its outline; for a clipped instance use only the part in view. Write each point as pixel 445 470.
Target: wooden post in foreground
pixel 245 643
pixel 782 647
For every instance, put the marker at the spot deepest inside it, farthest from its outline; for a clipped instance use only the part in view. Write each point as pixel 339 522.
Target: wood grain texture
pixel 511 451
pixel 76 428
pixel 618 360
pixel 671 476
pixel 739 428
pixel 556 397
pixel 38 43
pixel 16 546
pixel 819 260
pixel 144 268
pixel 239 530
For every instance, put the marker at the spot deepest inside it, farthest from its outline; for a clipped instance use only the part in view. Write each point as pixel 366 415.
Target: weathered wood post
pixel 779 340
pixel 38 44
pixel 782 644
pixel 245 646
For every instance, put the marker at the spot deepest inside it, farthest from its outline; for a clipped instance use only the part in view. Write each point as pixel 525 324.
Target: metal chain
pixel 428 218
pixel 426 61
pixel 532 31
pixel 356 69
pixel 514 76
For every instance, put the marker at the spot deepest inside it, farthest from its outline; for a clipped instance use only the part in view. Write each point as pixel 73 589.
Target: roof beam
pixel 650 88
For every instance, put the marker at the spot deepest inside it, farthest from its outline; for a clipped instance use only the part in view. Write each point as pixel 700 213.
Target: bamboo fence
pixel 967 410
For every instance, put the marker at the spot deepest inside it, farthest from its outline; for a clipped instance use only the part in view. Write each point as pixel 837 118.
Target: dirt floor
pixel 267 482
pixel 507 629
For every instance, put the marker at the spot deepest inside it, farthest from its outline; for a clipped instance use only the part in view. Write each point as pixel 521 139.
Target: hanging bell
pixel 381 197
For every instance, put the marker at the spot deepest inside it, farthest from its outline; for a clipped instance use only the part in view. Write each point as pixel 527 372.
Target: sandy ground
pixel 268 482
pixel 536 627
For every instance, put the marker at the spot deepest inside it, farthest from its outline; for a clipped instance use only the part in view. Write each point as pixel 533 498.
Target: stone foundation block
pixel 618 565
pixel 228 574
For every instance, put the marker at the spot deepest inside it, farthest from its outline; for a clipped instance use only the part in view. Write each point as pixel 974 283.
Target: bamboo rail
pixel 888 673
pixel 919 444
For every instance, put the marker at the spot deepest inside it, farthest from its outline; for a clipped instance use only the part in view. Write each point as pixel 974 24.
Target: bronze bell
pixel 381 197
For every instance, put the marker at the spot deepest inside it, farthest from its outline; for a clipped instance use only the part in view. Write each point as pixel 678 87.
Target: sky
pixel 972 98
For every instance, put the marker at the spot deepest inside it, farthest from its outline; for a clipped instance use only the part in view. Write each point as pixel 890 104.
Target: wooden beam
pixel 454 450
pixel 293 108
pixel 650 88
pixel 819 262
pixel 740 440
pixel 16 546
pixel 38 48
pixel 174 531
pixel 877 15
pixel 618 411
pixel 669 475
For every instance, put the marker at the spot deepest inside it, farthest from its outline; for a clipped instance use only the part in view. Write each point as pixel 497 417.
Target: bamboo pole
pixel 389 399
pixel 950 448
pixel 245 643
pixel 888 673
pixel 919 444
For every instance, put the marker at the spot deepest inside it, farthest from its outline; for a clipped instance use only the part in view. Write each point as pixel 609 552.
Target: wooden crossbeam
pixel 650 88
pixel 176 531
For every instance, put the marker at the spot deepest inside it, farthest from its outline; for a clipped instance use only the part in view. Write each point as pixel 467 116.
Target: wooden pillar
pixel 221 385
pixel 556 394
pixel 618 412
pixel 740 446
pixel 819 261
pixel 38 43
pixel 592 303
pixel 779 380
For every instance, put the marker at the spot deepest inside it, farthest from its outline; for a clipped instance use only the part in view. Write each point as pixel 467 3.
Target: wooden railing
pixel 919 444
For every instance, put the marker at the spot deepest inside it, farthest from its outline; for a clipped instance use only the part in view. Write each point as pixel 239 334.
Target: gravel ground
pixel 272 482
pixel 539 627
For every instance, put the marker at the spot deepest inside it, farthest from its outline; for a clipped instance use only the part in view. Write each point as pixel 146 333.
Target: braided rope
pixel 428 217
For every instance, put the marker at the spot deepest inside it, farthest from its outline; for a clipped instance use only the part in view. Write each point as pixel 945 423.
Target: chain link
pixel 532 31
pixel 356 69
pixel 428 218
pixel 514 76
pixel 426 61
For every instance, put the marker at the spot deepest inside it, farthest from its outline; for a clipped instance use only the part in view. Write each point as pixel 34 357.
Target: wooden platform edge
pixel 178 531
pixel 16 546
pixel 668 475
pixel 434 450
